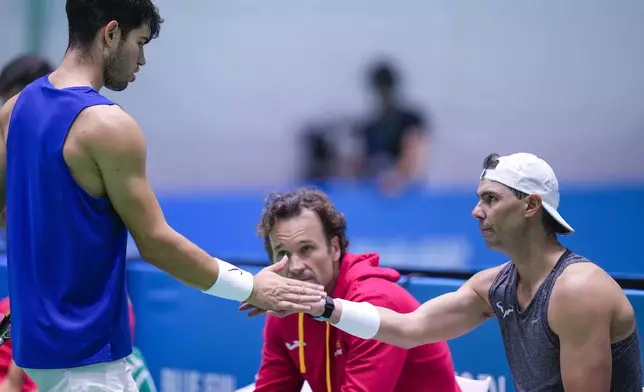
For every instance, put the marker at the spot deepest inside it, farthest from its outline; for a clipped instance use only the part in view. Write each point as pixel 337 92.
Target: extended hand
pixel 273 292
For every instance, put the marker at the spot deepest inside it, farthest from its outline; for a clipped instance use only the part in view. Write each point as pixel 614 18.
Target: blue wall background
pixel 422 230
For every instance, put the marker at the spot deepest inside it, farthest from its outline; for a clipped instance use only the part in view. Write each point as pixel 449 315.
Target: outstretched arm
pixel 117 145
pixel 442 318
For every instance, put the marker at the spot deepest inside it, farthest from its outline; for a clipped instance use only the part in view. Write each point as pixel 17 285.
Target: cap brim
pixel 555 214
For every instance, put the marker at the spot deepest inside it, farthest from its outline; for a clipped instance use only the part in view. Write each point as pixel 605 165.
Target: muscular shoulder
pixel 583 293
pixel 108 127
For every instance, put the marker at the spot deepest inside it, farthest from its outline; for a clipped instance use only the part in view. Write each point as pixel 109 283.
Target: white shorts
pixel 115 376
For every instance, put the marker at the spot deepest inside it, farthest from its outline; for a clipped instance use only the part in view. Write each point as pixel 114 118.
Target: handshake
pixel 280 296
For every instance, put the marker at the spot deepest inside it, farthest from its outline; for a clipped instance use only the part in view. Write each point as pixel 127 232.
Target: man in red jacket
pixel 305 227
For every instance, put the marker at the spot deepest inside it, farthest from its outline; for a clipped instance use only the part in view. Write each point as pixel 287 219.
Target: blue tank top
pixel 65 248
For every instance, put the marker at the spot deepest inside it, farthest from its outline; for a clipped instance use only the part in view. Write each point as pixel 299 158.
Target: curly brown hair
pixel 290 204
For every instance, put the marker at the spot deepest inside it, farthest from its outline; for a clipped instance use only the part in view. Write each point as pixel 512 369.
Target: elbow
pixel 414 333
pixel 153 244
pixel 412 341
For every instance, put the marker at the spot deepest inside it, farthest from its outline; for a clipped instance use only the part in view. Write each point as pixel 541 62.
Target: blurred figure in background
pixel 21 71
pixel 395 136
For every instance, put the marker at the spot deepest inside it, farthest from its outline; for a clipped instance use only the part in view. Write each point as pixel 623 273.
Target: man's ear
pixel 532 205
pixel 111 34
pixel 335 249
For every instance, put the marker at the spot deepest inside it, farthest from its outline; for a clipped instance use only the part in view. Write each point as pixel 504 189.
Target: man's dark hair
pixel 86 17
pixel 289 205
pixel 21 71
pixel 549 223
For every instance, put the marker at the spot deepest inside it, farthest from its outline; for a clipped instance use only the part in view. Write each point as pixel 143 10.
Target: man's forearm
pixel 373 322
pixel 442 318
pixel 176 255
pixel 173 253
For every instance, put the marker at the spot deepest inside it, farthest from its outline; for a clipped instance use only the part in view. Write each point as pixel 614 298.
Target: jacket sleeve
pixel 372 365
pixel 277 372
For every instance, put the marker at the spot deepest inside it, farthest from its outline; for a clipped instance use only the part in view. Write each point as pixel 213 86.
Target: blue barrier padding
pixel 422 231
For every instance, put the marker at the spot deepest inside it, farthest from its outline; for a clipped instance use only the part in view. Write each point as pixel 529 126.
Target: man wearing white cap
pixel 566 324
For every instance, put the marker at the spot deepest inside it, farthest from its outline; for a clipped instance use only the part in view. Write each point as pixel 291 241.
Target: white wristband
pixel 233 283
pixel 360 319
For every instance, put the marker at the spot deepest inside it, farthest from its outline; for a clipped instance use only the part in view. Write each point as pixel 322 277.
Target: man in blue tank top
pixel 566 324
pixel 73 178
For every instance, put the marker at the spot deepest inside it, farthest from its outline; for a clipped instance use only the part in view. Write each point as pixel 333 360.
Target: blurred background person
pixel 21 71
pixel 395 136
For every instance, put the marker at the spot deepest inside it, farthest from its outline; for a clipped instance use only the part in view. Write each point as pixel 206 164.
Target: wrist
pixel 337 312
pixel 326 311
pixel 360 319
pixel 232 283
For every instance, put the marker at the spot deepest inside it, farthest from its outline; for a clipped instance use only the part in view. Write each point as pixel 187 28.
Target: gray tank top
pixel 532 348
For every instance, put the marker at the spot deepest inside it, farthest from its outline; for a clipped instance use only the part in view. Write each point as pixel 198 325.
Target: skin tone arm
pixel 580 313
pixel 118 147
pixel 445 317
pixel 14 379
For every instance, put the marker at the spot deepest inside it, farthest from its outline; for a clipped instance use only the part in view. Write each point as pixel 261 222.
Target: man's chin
pixel 115 87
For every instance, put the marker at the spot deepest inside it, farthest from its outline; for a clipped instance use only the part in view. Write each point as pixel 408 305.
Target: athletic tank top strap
pixel 64 105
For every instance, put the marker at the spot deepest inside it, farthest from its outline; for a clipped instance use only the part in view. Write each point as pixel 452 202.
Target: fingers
pixel 245 306
pixel 256 312
pixel 279 266
pixel 307 287
pixel 279 314
pixel 285 306
pixel 305 299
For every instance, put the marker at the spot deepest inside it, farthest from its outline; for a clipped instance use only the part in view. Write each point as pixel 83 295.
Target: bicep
pixel 585 357
pixel 579 314
pixel 452 314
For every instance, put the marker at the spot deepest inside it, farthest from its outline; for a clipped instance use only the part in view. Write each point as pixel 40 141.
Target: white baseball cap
pixel 532 175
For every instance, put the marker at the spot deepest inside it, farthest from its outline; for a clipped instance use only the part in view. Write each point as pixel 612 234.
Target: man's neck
pixel 535 258
pixel 78 69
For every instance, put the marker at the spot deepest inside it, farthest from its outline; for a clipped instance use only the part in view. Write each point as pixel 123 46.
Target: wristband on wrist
pixel 360 319
pixel 232 283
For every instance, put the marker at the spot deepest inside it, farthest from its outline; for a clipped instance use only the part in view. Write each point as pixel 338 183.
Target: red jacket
pixel 298 348
pixel 6 350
